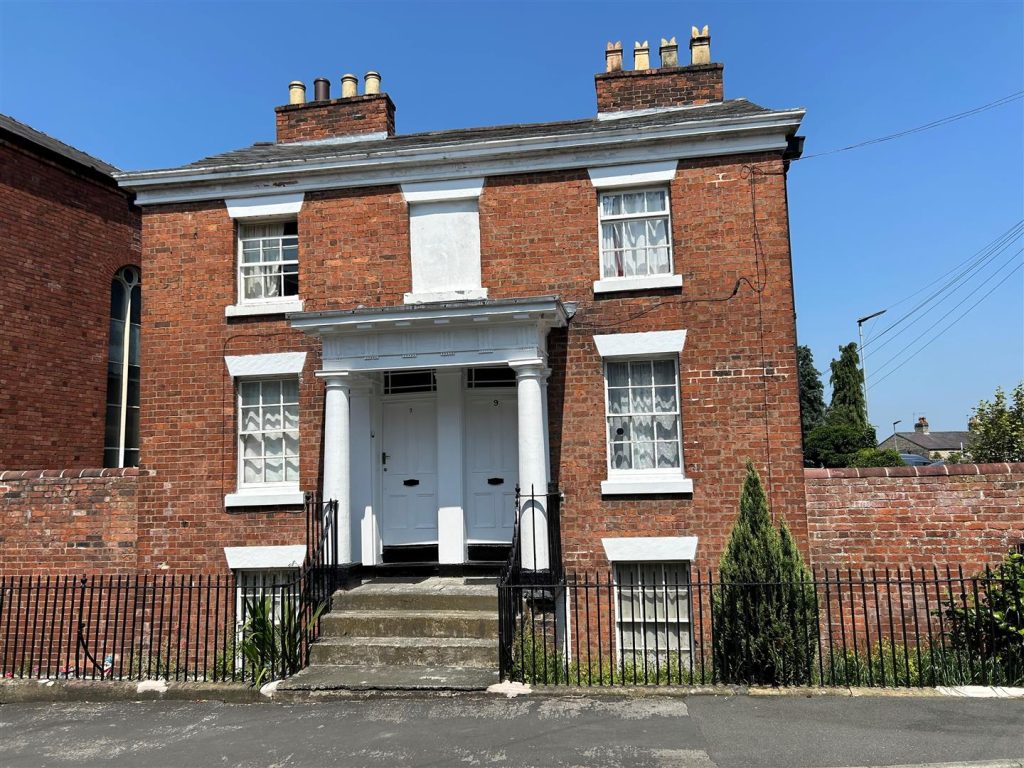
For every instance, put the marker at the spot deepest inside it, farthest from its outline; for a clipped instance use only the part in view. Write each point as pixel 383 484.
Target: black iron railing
pixel 170 626
pixel 531 509
pixel 664 626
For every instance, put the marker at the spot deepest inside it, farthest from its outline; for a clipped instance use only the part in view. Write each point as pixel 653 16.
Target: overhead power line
pixel 964 273
pixel 926 127
pixel 956 320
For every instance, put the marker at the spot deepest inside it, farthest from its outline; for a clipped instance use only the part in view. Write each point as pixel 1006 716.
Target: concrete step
pixel 322 679
pixel 422 594
pixel 390 623
pixel 405 652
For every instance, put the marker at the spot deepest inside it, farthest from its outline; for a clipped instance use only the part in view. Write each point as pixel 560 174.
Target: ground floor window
pixel 653 611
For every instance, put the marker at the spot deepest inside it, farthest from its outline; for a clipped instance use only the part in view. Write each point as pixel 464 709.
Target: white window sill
pixel 278 307
pixel 643 483
pixel 466 294
pixel 613 284
pixel 265 497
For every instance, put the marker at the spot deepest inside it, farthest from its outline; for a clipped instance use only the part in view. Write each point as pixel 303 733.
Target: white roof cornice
pixel 459 160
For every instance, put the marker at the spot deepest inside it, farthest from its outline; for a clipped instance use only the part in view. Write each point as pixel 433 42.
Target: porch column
pixel 337 468
pixel 451 518
pixel 533 463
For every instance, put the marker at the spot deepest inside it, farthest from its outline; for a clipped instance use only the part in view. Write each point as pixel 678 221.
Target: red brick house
pixel 69 339
pixel 416 324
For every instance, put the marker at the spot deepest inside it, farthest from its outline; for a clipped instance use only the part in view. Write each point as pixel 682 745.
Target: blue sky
pixel 151 84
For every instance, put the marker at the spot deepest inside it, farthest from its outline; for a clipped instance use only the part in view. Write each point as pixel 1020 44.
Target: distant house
pixel 924 442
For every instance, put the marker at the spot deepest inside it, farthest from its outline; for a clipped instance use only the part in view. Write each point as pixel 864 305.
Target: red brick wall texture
pixel 666 87
pixel 65 236
pixel 538 236
pixel 969 514
pixel 69 522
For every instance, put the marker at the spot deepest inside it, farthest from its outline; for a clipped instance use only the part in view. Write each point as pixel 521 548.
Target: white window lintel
pixel 274 364
pixel 263 558
pixel 275 496
pixel 439 191
pixel 263 207
pixel 634 175
pixel 646 343
pixel 648 549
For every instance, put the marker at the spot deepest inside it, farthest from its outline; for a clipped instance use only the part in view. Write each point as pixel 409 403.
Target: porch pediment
pixel 435 335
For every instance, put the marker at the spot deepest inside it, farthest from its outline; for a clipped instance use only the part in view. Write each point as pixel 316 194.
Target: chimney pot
pixel 613 57
pixel 700 46
pixel 641 56
pixel 321 89
pixel 669 53
pixel 372 83
pixel 349 86
pixel 296 92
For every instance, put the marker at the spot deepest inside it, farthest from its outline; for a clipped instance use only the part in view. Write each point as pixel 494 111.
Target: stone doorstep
pixel 346 677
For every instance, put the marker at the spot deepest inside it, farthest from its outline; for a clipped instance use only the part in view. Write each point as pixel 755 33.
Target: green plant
pixel 836 445
pixel 272 640
pixel 985 624
pixel 997 428
pixel 765 610
pixel 875 457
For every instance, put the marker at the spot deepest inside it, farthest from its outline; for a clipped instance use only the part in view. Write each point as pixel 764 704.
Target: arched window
pixel 121 443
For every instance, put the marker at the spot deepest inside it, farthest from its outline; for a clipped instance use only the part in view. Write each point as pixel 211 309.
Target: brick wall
pixel 68 521
pixel 538 236
pixel 969 514
pixel 666 87
pixel 66 233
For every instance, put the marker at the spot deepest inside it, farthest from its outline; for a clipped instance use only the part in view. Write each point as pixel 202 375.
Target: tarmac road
pixel 542 731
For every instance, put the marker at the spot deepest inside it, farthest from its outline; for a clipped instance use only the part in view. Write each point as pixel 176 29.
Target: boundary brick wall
pixel 66 233
pixel 69 521
pixel 966 514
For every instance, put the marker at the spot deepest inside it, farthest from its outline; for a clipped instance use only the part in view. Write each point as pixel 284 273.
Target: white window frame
pixel 682 622
pixel 667 279
pixel 264 305
pixel 261 380
pixel 632 347
pixel 284 366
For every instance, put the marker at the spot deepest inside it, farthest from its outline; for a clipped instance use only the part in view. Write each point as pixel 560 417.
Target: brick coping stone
pixel 38 474
pixel 937 470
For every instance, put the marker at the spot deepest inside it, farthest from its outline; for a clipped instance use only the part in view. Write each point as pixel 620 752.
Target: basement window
pixel 652 606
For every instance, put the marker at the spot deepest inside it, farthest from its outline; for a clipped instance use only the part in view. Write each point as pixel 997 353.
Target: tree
pixel 812 391
pixel 997 428
pixel 764 612
pixel 845 436
pixel 848 406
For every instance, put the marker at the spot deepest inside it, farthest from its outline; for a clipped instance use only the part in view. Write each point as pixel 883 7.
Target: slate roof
pixel 936 441
pixel 50 144
pixel 263 153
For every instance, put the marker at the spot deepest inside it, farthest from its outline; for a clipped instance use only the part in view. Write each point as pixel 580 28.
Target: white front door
pixel 409 470
pixel 492 465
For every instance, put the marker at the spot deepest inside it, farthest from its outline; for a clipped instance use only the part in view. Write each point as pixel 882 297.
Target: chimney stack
pixel 670 85
pixel 325 119
pixel 700 46
pixel 921 427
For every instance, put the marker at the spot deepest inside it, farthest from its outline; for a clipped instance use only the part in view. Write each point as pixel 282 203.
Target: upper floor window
pixel 643 415
pixel 268 431
pixel 635 233
pixel 268 261
pixel 121 440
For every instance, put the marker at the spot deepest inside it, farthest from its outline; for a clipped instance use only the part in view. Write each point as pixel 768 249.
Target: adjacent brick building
pixel 415 324
pixel 68 231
